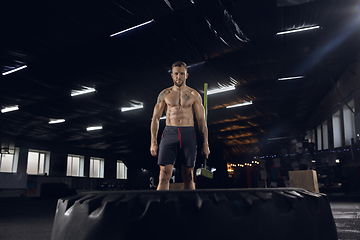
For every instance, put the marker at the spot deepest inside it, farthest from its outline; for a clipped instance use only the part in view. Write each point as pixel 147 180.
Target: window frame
pixel 14 161
pixel 45 164
pixel 121 173
pixel 80 172
pixel 101 170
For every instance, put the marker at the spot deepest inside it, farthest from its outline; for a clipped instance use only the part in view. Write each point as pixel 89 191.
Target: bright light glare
pixel 124 109
pixel 94 128
pixel 53 121
pixel 337 161
pixel 14 70
pixel 9 109
pixel 163 117
pixel 126 30
pixel 219 90
pixel 240 104
pixel 290 78
pixel 83 91
pixel 298 30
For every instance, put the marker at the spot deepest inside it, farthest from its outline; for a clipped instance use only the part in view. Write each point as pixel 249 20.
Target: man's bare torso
pixel 179 106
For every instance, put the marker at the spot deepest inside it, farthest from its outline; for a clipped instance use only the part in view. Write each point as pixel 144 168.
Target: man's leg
pixel 188 177
pixel 164 177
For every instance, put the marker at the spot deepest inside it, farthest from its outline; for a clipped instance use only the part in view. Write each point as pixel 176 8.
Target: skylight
pixel 126 30
pixel 83 91
pixel 298 30
pixel 240 104
pixel 14 70
pixel 10 109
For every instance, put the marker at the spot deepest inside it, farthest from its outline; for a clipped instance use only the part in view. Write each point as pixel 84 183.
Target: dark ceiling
pixel 67 45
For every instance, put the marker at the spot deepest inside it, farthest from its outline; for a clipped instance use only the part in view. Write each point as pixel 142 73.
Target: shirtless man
pixel 180 103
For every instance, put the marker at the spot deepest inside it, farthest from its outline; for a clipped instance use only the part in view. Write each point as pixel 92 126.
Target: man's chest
pixel 184 99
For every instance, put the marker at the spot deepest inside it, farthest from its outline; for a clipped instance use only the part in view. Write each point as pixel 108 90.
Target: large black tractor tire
pixel 249 214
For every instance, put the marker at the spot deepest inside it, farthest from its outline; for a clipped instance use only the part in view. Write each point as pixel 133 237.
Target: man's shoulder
pixel 193 91
pixel 166 91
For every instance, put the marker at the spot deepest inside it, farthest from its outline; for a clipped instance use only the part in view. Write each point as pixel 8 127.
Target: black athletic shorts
pixel 178 143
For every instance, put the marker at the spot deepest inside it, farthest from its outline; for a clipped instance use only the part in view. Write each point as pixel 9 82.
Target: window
pixel 75 166
pixel 97 167
pixel 310 136
pixel 349 124
pixel 38 162
pixel 325 135
pixel 121 170
pixel 337 129
pixel 318 133
pixel 9 162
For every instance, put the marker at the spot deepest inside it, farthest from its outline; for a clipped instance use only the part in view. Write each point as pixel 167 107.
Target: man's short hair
pixel 179 64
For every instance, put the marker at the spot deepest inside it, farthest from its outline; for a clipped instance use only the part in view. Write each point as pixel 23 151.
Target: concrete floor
pixel 33 219
pixel 347 219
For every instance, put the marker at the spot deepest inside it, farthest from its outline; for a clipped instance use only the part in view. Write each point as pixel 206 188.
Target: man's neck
pixel 176 88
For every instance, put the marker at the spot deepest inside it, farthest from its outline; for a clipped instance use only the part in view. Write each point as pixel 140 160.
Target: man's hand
pixel 154 149
pixel 206 151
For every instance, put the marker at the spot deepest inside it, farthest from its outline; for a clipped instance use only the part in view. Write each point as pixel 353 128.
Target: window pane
pixel 125 171
pixel 319 142
pixel 41 163
pixel 117 169
pixel 325 135
pixel 75 166
pixel 337 129
pixel 32 167
pixel 69 165
pixel 96 168
pixel 121 170
pixel 349 126
pixel 6 162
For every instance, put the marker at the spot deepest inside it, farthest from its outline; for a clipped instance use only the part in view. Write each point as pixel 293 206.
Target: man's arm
pixel 154 127
pixel 200 117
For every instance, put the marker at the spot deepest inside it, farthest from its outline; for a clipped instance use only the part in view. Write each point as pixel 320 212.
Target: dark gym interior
pixel 291 66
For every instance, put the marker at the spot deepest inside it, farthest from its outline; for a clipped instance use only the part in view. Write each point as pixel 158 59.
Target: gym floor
pixel 33 219
pixel 346 212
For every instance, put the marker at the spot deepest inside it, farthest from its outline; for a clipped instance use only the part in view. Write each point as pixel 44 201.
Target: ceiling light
pixel 219 90
pixel 123 31
pixel 14 70
pixel 83 91
pixel 124 109
pixel 94 128
pixel 290 78
pixel 298 30
pixel 9 109
pixel 53 121
pixel 240 104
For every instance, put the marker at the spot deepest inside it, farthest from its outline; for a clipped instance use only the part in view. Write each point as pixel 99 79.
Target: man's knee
pixel 165 174
pixel 187 174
